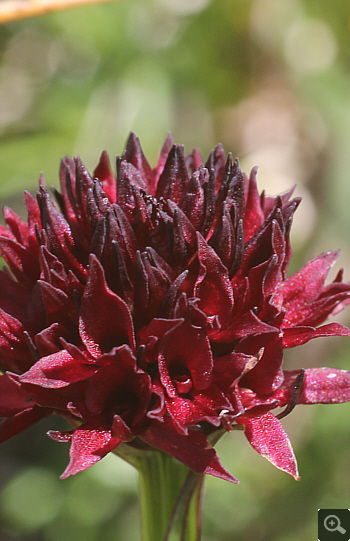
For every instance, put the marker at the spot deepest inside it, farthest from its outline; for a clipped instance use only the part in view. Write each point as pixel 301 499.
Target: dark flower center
pixel 181 378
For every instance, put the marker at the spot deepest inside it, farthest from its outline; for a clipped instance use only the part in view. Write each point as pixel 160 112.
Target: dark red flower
pixel 153 310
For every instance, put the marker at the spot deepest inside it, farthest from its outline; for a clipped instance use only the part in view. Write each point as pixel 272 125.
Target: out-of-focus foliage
pixel 268 79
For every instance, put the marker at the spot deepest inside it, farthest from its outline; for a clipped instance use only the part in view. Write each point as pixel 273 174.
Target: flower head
pixel 152 309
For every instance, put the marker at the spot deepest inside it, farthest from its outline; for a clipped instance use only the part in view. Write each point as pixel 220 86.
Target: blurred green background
pixel 270 79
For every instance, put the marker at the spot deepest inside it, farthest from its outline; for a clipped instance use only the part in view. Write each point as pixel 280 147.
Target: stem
pixel 170 498
pixel 13 10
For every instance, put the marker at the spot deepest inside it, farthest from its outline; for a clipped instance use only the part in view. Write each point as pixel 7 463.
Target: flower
pixel 152 311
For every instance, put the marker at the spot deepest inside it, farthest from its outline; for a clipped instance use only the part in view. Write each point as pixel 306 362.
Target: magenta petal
pixel 296 336
pixel 88 446
pixel 105 319
pixel 266 434
pixel 322 385
pixel 193 450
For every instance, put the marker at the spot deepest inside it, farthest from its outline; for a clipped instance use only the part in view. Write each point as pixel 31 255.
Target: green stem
pixel 170 498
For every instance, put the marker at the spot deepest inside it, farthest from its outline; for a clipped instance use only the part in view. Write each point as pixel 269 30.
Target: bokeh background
pixel 270 79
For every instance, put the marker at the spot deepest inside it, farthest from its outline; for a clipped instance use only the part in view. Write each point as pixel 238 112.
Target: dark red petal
pixel 174 177
pixel 267 375
pixel 18 228
pixel 121 430
pixel 20 260
pixel 247 324
pixel 185 348
pixel 321 385
pixel 254 216
pixel 267 436
pixel 14 298
pixel 202 407
pixel 216 163
pixel 104 174
pixel 105 319
pixel 328 304
pixel 192 199
pixel 296 336
pixel 59 307
pixel 48 341
pixel 134 154
pixel 193 450
pixel 194 160
pixel 230 368
pixel 13 399
pixel 58 370
pixel 60 235
pixel 151 286
pixel 21 421
pixel 14 352
pixel 34 221
pixel 89 445
pixel 168 144
pixel 119 387
pixel 304 287
pixel 151 334
pixel 213 286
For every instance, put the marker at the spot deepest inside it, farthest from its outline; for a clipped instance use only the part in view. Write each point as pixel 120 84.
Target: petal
pixel 104 174
pixel 254 216
pixel 14 352
pixel 119 387
pixel 185 348
pixel 267 375
pixel 13 399
pixel 202 407
pixel 168 144
pixel 21 421
pixel 58 370
pixel 134 154
pixel 152 333
pixel 120 429
pixel 301 289
pixel 193 450
pixel 105 319
pixel 295 336
pixel 59 233
pixel 89 445
pixel 20 260
pixel 267 436
pixel 247 324
pixel 14 298
pixel 322 385
pixel 17 227
pixel 213 286
pixel 174 177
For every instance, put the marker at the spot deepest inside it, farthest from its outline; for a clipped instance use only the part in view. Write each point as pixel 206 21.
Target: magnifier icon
pixel 332 524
